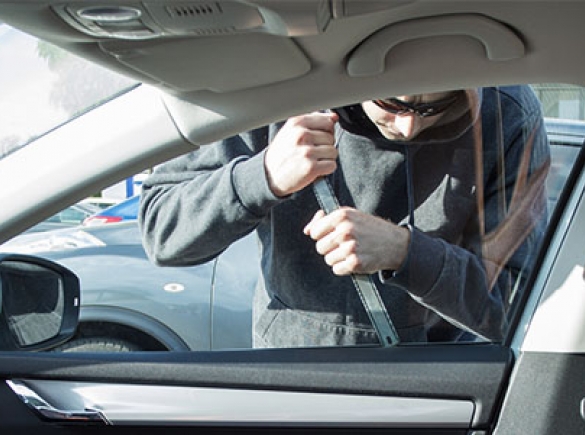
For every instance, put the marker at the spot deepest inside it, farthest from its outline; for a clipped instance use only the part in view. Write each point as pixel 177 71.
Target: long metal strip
pixel 168 405
pixel 364 285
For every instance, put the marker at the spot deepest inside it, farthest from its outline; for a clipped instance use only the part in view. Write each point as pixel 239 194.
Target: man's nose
pixel 407 124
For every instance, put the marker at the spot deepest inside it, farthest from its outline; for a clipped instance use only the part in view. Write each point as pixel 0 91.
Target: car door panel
pixel 552 383
pixel 471 377
pixel 127 404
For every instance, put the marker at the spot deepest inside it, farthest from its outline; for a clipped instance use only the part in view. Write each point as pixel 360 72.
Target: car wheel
pixel 97 344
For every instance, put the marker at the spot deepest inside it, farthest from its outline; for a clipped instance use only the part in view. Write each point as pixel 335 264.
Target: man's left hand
pixel 353 242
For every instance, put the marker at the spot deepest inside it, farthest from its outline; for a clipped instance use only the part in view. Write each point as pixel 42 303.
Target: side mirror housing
pixel 39 303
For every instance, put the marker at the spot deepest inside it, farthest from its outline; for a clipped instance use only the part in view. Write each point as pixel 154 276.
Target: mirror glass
pixel 32 302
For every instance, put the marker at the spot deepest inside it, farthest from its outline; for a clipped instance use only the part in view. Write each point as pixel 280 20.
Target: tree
pixel 80 84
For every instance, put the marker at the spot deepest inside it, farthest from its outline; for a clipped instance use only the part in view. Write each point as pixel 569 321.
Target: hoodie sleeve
pixel 454 280
pixel 193 207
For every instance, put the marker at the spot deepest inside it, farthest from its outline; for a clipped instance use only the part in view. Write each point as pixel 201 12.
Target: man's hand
pixel 355 242
pixel 302 151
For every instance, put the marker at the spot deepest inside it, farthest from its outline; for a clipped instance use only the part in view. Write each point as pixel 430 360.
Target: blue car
pixel 124 210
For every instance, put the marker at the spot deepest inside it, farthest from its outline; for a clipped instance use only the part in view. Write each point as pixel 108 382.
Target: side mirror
pixel 39 303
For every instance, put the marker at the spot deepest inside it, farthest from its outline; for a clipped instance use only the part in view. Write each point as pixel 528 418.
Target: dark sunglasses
pixel 424 110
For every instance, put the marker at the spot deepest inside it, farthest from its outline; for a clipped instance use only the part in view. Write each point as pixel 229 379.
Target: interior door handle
pixel 499 41
pixel 48 412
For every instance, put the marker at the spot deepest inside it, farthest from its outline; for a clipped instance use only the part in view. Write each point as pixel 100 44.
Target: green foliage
pixel 51 53
pixel 80 84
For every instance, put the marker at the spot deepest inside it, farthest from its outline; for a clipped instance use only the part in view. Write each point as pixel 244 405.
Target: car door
pixel 411 388
pixel 476 387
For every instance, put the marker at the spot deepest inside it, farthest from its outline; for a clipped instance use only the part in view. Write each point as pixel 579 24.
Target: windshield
pixel 45 87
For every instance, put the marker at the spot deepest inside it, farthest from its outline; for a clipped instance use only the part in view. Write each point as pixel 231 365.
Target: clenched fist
pixel 302 151
pixel 352 241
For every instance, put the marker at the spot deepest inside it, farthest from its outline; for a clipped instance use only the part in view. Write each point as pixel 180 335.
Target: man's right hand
pixel 302 151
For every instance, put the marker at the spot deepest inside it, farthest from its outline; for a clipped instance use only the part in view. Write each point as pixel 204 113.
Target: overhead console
pixel 186 45
pixel 156 19
pixel 150 36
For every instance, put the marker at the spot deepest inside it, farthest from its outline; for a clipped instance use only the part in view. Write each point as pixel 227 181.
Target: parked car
pixel 202 71
pixel 71 216
pixel 128 303
pixel 100 202
pixel 124 210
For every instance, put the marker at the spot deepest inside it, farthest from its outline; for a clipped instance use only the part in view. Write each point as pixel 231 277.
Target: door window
pixel 467 180
pixel 211 305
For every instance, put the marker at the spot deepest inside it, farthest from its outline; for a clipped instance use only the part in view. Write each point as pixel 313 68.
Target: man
pixel 422 180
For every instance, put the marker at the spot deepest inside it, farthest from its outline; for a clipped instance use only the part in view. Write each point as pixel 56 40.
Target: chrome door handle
pixel 48 412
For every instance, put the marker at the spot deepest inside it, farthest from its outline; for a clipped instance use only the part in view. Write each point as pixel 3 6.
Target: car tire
pixel 97 344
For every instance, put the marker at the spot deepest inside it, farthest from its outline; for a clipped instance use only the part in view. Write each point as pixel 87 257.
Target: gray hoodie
pixel 195 206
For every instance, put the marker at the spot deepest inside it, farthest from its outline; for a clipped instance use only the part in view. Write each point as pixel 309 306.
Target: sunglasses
pixel 424 110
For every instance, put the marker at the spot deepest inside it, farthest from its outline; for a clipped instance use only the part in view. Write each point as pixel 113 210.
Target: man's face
pixel 408 124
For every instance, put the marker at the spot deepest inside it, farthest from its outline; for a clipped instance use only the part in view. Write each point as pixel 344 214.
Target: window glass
pixel 46 84
pixel 564 111
pixel 445 200
pixel 75 216
pixel 469 180
pixel 443 209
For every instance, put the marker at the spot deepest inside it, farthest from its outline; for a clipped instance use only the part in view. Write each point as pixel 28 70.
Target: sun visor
pixel 217 64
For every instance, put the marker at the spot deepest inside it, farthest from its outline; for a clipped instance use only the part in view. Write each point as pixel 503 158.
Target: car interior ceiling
pixel 293 54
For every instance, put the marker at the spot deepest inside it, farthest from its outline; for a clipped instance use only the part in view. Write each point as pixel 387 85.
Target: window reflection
pixel 443 205
pixel 486 199
pixel 47 84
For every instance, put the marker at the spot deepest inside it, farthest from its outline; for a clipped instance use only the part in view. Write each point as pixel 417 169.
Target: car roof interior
pixel 248 59
pixel 227 66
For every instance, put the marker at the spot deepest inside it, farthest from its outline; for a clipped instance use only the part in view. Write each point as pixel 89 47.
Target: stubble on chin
pixel 389 134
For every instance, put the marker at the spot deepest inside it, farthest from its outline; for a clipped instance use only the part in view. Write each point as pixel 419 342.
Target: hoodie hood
pixel 465 114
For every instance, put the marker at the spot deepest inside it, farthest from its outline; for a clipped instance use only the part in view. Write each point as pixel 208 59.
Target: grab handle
pixel 499 41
